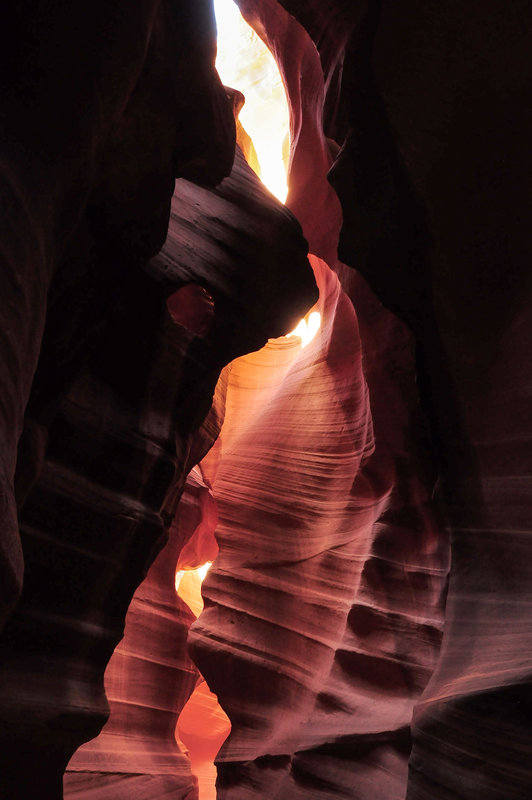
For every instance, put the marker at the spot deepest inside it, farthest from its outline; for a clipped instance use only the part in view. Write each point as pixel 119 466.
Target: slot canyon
pixel 265 461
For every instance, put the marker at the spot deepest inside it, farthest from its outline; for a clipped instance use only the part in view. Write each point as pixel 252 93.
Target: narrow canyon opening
pixel 176 394
pixel 246 65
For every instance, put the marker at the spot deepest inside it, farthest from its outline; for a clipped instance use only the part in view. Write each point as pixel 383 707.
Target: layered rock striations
pixel 100 110
pixel 308 638
pixel 378 601
pixel 149 679
pixel 432 114
pixel 150 676
pixel 324 610
pixel 126 367
pixel 335 741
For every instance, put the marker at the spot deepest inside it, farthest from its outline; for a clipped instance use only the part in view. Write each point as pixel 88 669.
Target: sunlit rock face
pixel 245 63
pixel 149 679
pixel 308 637
pixel 127 360
pixel 326 603
pixel 309 193
pixel 344 695
pixel 209 245
pixel 430 176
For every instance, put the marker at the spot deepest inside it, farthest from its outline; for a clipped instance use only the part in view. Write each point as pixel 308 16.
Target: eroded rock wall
pixel 211 244
pixel 344 674
pixel 125 372
pixel 433 115
pixel 319 644
pixel 100 111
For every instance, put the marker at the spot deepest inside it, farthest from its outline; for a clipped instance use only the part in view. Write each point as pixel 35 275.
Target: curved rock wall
pixel 147 683
pixel 433 116
pixel 122 385
pixel 318 633
pixel 99 111
pixel 319 644
pixel 388 626
pixel 209 247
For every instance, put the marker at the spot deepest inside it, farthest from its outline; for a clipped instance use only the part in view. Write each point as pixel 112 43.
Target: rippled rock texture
pixel 318 632
pixel 433 181
pixel 150 676
pixel 339 468
pixel 149 679
pixel 129 353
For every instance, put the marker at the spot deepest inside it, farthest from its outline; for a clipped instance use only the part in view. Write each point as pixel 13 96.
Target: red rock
pixel 324 609
pixel 148 681
pixel 85 183
pixel 318 600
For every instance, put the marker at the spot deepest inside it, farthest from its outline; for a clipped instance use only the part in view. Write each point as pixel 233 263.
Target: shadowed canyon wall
pixel 364 497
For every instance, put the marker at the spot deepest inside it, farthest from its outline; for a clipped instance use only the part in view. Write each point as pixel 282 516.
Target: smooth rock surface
pixel 319 633
pixel 338 464
pixel 433 116
pixel 150 676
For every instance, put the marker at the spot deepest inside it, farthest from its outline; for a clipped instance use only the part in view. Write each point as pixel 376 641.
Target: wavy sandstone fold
pixel 323 611
pixel 318 633
pixel 215 287
pixel 434 187
pixel 309 193
pixel 100 110
pixel 353 734
pixel 338 464
pixel 148 681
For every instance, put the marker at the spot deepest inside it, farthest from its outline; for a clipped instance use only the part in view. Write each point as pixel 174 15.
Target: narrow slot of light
pixel 245 63
pixel 307 329
pixel 188 586
pixel 203 570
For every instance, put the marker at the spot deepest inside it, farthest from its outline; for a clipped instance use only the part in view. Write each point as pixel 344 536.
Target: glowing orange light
pixel 245 63
pixel 307 328
pixel 203 726
pixel 188 586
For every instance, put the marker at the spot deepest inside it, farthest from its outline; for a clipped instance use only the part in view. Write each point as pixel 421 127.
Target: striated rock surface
pixel 100 110
pixel 148 680
pixel 433 115
pixel 322 614
pixel 150 676
pixel 129 356
pixel 324 611
pixel 334 741
pixel 309 193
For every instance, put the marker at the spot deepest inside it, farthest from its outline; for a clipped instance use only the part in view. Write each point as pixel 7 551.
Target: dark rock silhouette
pixel 367 617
